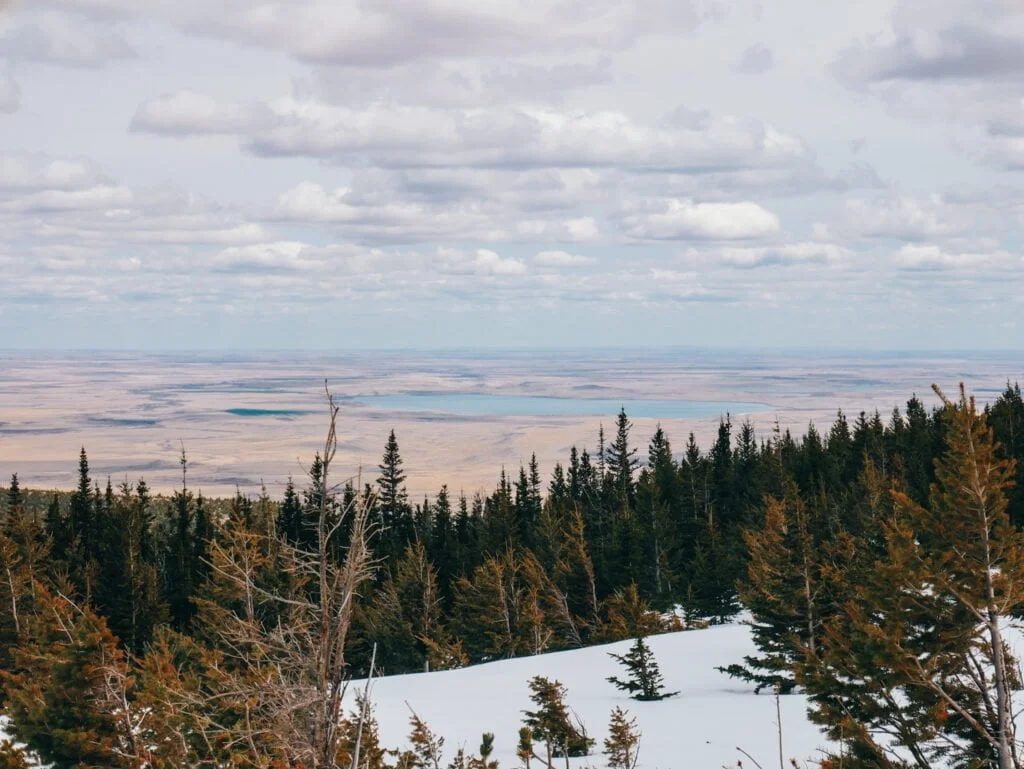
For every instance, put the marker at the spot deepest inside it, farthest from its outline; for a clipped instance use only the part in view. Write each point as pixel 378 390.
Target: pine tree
pixel 393 499
pixel 57 529
pixel 81 535
pixel 179 562
pixel 550 723
pixel 785 589
pixel 622 461
pixel 128 590
pixel 14 500
pixel 919 651
pixel 291 526
pixel 645 681
pixel 404 619
pixel 622 745
pixel 58 692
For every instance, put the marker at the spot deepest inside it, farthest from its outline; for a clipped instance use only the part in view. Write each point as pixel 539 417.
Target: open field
pixel 244 419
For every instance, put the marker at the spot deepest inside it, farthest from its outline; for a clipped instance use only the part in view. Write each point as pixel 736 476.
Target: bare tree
pixel 278 616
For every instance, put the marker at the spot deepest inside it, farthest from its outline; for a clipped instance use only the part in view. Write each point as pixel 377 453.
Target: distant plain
pixel 247 419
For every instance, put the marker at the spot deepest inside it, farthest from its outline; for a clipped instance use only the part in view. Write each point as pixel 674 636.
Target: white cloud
pixel 259 257
pixel 404 136
pixel 39 171
pixel 489 263
pixel 686 220
pixel 785 255
pixel 350 32
pixel 561 259
pixel 932 257
pixel 56 38
pixel 187 112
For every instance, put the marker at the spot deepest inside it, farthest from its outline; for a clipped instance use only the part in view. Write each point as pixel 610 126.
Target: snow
pixel 700 728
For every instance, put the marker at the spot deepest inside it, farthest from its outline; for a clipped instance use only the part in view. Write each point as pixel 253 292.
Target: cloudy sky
pixel 432 173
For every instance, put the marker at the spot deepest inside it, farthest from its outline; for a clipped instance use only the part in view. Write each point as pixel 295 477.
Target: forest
pixel 878 562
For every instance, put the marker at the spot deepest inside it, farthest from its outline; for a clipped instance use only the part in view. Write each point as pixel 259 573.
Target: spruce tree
pixel 58 691
pixel 622 461
pixel 179 559
pixel 786 590
pixel 622 745
pixel 919 651
pixel 550 722
pixel 645 681
pixel 14 500
pixel 393 499
pixel 290 522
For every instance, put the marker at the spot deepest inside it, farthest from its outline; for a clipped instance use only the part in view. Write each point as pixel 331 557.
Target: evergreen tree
pixel 57 529
pixel 392 499
pixel 645 681
pixel 14 500
pixel 550 723
pixel 785 589
pixel 919 651
pixel 622 461
pixel 58 692
pixel 622 745
pixel 291 524
pixel 179 559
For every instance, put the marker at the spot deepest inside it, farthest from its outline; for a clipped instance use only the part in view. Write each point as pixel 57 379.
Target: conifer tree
pixel 128 590
pixel 14 499
pixel 179 559
pixel 550 722
pixel 290 522
pixel 58 690
pixel 393 499
pixel 57 529
pixel 404 619
pixel 622 461
pixel 785 590
pixel 919 652
pixel 622 745
pixel 645 681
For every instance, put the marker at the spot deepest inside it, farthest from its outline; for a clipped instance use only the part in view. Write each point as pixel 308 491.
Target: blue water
pixel 268 412
pixel 482 405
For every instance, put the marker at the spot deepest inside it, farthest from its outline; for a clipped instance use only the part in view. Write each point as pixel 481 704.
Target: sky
pixel 332 174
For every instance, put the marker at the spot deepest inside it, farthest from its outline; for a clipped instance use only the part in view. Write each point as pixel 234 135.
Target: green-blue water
pixel 483 405
pixel 268 412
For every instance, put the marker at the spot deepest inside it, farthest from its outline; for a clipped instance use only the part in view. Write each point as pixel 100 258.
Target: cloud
pixel 36 171
pixel 931 257
pixel 954 53
pixel 355 33
pixel 784 255
pixel 902 217
pixel 489 263
pixel 281 256
pixel 382 216
pixel 62 40
pixel 756 60
pixel 10 94
pixel 404 136
pixel 188 112
pixel 686 220
pixel 561 259
pixel 462 83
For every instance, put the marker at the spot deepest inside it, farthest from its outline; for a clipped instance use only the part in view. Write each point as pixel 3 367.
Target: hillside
pixel 698 729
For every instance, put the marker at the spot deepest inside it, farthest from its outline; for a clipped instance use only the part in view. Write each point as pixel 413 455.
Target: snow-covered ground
pixel 700 728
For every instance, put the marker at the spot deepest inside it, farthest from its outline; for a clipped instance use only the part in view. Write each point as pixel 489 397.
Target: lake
pixel 486 405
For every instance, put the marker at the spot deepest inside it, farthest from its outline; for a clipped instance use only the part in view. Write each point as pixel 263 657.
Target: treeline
pixel 268 607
